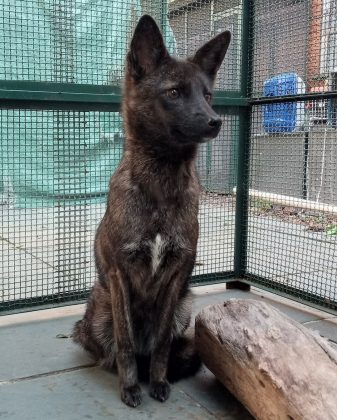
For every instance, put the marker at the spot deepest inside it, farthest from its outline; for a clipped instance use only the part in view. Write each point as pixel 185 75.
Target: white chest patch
pixel 157 251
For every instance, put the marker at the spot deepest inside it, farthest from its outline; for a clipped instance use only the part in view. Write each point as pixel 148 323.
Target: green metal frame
pixel 242 198
pixel 47 95
pixel 319 96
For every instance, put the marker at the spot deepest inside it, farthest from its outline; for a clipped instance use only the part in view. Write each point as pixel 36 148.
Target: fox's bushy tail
pixel 82 335
pixel 184 360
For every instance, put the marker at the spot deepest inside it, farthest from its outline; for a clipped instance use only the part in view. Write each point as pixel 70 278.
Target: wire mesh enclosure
pixel 291 237
pixel 268 210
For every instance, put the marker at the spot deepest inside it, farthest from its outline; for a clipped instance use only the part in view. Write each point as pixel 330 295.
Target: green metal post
pixel 164 15
pixel 242 189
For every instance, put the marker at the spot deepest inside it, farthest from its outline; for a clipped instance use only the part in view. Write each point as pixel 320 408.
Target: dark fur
pixel 138 312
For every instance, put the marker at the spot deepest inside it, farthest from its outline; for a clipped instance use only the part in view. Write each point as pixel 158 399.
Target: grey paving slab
pixel 89 394
pixel 327 328
pixel 319 283
pixel 34 349
pixel 45 249
pixel 45 377
pixel 51 250
pixel 215 251
pixel 280 254
pixel 271 223
pixel 212 395
pixel 48 233
pixel 293 255
pixel 22 275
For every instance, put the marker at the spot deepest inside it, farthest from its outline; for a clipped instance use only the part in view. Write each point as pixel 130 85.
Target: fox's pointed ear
pixel 210 56
pixel 147 48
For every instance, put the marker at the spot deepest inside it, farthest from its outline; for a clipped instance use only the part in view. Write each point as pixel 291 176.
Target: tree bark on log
pixel 275 366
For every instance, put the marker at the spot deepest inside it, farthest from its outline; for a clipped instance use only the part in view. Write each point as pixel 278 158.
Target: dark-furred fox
pixel 139 309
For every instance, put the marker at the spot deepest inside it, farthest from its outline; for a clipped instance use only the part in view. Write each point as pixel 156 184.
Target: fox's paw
pixel 132 395
pixel 160 390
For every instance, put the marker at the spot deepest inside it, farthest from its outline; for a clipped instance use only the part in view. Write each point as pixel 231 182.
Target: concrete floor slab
pixel 43 376
pixel 327 328
pixel 88 394
pixel 213 396
pixel 35 349
pixel 46 377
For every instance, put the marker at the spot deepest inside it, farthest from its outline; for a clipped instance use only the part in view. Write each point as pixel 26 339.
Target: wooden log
pixel 276 367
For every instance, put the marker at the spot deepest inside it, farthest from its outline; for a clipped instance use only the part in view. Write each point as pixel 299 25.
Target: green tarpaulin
pixel 59 157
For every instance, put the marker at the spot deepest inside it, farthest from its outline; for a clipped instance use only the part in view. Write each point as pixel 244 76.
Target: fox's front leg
pixel 123 333
pixel 159 386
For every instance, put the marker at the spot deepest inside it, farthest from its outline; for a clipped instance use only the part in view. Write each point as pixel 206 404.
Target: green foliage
pixel 331 230
pixel 262 205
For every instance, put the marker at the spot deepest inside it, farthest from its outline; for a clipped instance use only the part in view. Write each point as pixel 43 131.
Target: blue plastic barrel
pixel 287 116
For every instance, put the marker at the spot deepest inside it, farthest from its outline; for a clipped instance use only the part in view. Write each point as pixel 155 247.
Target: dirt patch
pixel 313 220
pixel 217 200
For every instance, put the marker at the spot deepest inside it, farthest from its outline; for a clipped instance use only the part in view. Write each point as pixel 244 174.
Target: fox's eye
pixel 208 97
pixel 173 93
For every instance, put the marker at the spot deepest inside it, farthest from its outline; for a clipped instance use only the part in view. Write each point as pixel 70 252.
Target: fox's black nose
pixel 215 122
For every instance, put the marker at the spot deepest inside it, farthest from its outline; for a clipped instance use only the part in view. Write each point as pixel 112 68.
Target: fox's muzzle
pixel 207 123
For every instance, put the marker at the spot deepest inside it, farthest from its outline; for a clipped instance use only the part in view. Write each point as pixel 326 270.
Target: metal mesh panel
pixel 63 41
pixel 47 234
pixel 217 165
pixel 56 162
pixel 193 23
pixel 292 223
pixel 47 250
pixel 292 237
pixel 295 36
pixel 85 42
pixel 280 40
